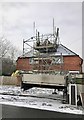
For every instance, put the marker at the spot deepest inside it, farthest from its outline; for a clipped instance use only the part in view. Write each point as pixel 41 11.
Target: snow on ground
pixel 33 102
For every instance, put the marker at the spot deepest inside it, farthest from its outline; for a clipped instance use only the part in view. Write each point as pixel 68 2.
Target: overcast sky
pixel 16 21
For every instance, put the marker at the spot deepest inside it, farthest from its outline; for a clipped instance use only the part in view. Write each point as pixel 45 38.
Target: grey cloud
pixel 19 18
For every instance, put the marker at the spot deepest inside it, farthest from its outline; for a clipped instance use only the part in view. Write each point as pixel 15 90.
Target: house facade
pixel 63 59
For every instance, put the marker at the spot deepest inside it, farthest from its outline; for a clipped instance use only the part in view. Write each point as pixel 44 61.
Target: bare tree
pixel 8 56
pixel 4 47
pixel 14 53
pixel 7 49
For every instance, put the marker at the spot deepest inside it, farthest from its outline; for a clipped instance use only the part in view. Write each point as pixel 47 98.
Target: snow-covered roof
pixel 28 54
pixel 64 51
pixel 60 50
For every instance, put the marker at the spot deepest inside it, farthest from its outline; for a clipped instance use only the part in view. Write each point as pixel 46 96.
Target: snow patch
pixel 36 102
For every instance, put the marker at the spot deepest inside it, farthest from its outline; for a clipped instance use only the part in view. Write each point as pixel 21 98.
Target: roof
pixel 64 51
pixel 60 50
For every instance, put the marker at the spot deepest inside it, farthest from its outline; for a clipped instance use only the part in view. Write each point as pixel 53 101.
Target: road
pixel 21 112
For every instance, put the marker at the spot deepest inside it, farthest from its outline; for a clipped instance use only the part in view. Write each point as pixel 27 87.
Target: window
pixel 57 60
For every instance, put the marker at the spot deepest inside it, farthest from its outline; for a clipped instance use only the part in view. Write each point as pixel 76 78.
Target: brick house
pixel 62 60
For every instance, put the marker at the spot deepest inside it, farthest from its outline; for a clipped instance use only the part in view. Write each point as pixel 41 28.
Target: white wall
pixel 83 67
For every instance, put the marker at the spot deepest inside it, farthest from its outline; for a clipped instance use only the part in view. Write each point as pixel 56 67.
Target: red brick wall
pixel 23 64
pixel 72 63
pixel 69 63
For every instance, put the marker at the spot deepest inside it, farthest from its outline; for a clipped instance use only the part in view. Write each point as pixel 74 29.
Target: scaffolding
pixel 40 49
